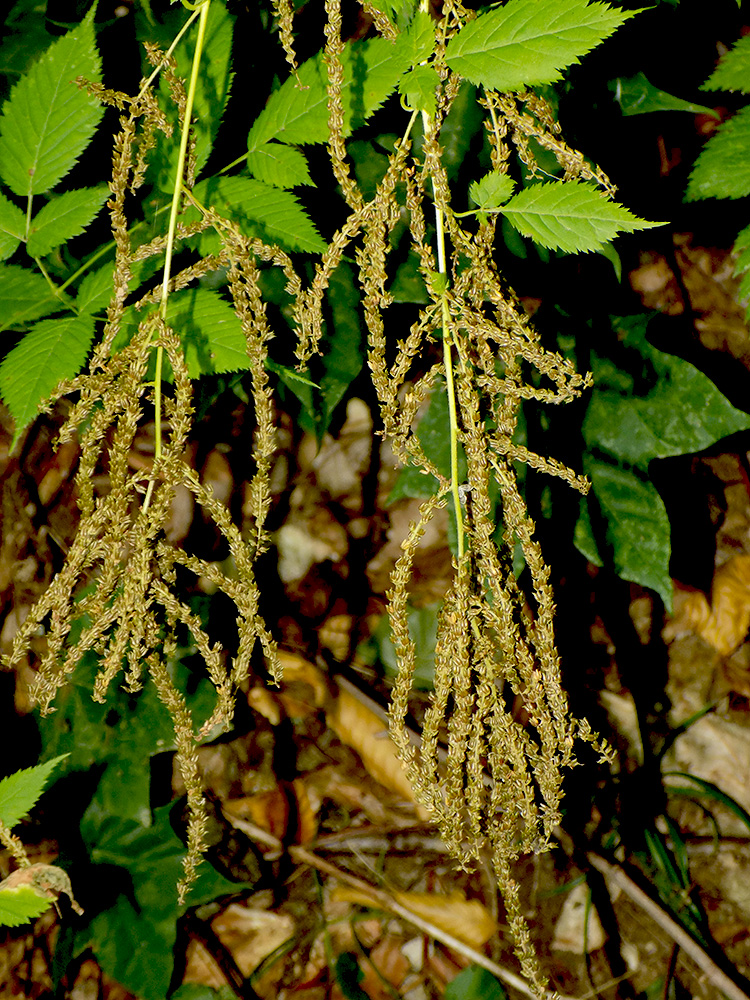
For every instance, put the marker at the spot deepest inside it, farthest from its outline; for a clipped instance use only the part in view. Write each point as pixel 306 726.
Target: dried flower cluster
pixel 497 787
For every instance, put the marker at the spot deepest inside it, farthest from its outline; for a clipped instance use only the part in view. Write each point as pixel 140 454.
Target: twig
pixel 715 975
pixel 386 902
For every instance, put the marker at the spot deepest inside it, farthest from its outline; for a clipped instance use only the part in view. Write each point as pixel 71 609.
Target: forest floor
pixel 354 894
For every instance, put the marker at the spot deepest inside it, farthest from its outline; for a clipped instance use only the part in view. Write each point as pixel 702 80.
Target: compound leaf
pixel 722 169
pixel 52 350
pixel 297 112
pixel 733 71
pixel 573 216
pixel 63 218
pixel 49 120
pixel 95 290
pixel 279 165
pixel 20 791
pixel 529 42
pixel 25 296
pixel 20 905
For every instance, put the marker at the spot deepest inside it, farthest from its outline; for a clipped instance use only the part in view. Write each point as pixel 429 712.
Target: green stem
pixel 172 229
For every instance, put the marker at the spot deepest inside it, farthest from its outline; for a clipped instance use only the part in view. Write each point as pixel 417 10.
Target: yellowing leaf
pixel 725 623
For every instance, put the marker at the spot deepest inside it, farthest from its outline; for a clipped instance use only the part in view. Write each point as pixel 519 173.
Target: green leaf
pixel 423 624
pixel 191 991
pixel 637 96
pixel 213 85
pixel 645 405
pixel 529 42
pixel 297 112
pixel 20 791
pixel 419 38
pixel 64 217
pixel 134 938
pixel 20 905
pixel 12 227
pixel 431 433
pixel 25 296
pixel 278 165
pixel 267 212
pixel 95 290
pixel 573 216
pixel 349 976
pixel 474 983
pixel 408 283
pixel 343 358
pixel 48 120
pixel 722 169
pixel 52 350
pixel 419 88
pixel 733 71
pixel 492 191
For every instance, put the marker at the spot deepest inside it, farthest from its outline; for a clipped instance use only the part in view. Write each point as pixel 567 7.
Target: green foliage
pixel 645 405
pixel 723 168
pixel 64 217
pixel 636 95
pixel 20 905
pixel 573 216
pixel 733 71
pixel 423 630
pixel 525 44
pixel 474 983
pixel 20 791
pixel 492 191
pixel 48 120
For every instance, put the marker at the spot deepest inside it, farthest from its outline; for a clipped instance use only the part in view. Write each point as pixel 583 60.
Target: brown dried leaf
pixel 725 623
pixel 466 919
pixel 47 881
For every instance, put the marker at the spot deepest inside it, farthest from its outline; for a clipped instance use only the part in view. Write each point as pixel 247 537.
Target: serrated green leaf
pixel 435 442
pixel 645 405
pixel 492 191
pixel 529 42
pixel 474 983
pixel 733 71
pixel 213 85
pixel 268 212
pixel 573 216
pixel 64 217
pixel 52 350
pixel 636 95
pixel 722 169
pixel 25 296
pixel 95 290
pixel 20 905
pixel 134 938
pixel 297 112
pixel 208 327
pixel 278 165
pixel 418 87
pixel 419 38
pixel 48 120
pixel 12 227
pixel 20 791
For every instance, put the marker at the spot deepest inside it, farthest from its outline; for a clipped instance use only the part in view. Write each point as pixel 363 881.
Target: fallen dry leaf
pixel 725 623
pixel 47 881
pixel 466 919
pixel 578 928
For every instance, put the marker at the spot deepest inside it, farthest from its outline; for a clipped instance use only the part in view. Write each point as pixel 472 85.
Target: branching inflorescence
pixel 492 782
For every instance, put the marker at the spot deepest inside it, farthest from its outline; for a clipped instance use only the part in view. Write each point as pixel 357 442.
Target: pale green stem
pixel 172 228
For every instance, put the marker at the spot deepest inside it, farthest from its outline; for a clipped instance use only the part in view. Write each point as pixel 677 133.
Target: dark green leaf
pixel 408 284
pixel 342 357
pixel 21 790
pixel 722 169
pixel 349 976
pixel 48 120
pixel 423 630
pixel 462 124
pixel 529 42
pixel 134 939
pixel 12 227
pixel 25 296
pixel 63 218
pixel 435 441
pixel 474 983
pixel 637 96
pixel 53 350
pixel 573 216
